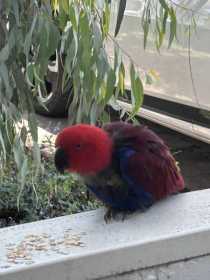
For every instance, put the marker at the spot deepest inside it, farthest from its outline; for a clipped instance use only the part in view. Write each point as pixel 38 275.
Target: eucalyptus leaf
pixel 136 90
pixel 16 11
pixel 2 145
pixel 111 79
pixel 4 53
pixel 5 77
pixel 121 10
pixel 28 39
pixel 32 122
pixel 164 4
pixel 172 27
pixel 121 83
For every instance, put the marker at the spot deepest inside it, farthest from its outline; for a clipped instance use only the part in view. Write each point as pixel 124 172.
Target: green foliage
pixel 136 84
pixel 120 15
pixel 161 12
pixel 156 14
pixel 31 33
pixel 53 195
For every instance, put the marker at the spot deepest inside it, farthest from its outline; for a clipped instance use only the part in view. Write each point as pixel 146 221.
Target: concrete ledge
pixel 82 246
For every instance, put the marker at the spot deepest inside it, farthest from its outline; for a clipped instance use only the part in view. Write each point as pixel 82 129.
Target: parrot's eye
pixel 78 146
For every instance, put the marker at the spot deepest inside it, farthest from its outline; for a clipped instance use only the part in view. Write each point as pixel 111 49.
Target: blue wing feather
pixel 129 197
pixel 143 198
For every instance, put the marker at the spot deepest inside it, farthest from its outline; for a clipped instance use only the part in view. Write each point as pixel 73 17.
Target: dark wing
pixel 146 163
pixel 152 169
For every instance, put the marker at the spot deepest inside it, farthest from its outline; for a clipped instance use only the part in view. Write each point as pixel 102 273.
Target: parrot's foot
pixel 114 214
pixel 110 214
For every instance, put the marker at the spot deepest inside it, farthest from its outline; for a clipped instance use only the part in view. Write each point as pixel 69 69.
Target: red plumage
pixel 88 148
pixel 152 166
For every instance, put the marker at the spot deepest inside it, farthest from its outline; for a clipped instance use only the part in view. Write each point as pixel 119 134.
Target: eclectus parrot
pixel 127 167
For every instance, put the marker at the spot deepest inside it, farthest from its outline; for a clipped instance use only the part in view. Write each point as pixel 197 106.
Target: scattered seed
pixel 31 243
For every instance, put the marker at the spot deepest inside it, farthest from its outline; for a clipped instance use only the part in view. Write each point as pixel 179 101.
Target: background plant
pixel 54 195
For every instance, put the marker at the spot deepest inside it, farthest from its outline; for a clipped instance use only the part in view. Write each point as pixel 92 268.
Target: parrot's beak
pixel 61 160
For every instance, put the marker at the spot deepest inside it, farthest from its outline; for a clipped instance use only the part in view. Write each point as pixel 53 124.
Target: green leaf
pixel 173 24
pixel 111 79
pixel 160 35
pixel 23 134
pixel 49 37
pixel 32 122
pixel 97 38
pixel 121 10
pixel 164 4
pixel 106 118
pixel 2 144
pixel 146 32
pixel 137 91
pixel 74 15
pixel 36 157
pixel 65 5
pixel 22 178
pixel 164 21
pixel 4 53
pixel 106 19
pixel 22 87
pixel 18 152
pixel 23 171
pixel 146 21
pixel 71 46
pixel 55 5
pixel 16 12
pixel 121 83
pixel 30 74
pixel 52 39
pixel 93 114
pixel 28 39
pixel 5 77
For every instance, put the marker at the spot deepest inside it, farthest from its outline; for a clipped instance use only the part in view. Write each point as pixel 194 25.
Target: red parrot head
pixel 84 149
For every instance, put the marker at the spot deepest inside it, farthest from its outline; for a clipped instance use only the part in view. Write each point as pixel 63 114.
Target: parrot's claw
pixel 115 215
pixel 109 215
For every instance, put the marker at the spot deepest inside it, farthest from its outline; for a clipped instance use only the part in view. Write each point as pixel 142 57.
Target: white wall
pixel 193 269
pixel 154 244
